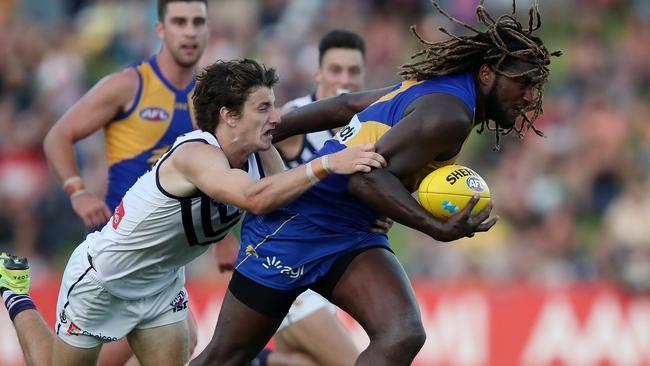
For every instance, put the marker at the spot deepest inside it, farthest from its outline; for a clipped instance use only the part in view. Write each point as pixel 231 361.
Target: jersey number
pixel 346 133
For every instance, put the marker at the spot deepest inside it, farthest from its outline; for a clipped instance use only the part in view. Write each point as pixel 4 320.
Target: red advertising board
pixel 585 324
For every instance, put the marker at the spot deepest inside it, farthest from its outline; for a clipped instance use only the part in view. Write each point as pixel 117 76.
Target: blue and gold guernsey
pixel 136 138
pixel 344 213
pixel 296 245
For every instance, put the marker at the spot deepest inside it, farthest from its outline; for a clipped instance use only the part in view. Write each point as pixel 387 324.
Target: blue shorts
pixel 288 252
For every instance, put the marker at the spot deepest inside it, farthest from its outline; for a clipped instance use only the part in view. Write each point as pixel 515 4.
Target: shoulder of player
pixel 439 111
pixel 296 103
pixel 122 85
pixel 196 153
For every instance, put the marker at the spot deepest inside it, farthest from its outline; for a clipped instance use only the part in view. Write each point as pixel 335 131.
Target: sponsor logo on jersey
pixel 180 302
pixel 118 215
pixel 154 114
pixel 475 184
pixel 274 263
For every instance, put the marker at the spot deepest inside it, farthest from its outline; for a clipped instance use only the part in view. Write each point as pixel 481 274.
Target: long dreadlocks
pixel 504 41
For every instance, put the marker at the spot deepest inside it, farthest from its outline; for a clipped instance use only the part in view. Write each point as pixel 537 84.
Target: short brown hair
pixel 162 6
pixel 227 84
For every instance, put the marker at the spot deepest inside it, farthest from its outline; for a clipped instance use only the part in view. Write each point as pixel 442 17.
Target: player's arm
pixel 436 126
pixel 92 112
pixel 272 161
pixel 325 114
pixel 212 174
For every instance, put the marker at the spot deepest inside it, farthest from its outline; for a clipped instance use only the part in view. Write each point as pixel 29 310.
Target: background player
pixel 492 78
pixel 142 110
pixel 341 68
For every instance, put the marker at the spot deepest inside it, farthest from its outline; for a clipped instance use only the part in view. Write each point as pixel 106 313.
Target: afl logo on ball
pixel 154 114
pixel 475 184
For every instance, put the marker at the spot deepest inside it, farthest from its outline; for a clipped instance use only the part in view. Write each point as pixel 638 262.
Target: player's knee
pixel 410 337
pixel 402 342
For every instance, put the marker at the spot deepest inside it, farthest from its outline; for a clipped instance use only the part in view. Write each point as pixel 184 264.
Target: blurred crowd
pixel 573 205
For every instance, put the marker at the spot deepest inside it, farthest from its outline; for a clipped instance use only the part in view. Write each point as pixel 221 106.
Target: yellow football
pixel 447 190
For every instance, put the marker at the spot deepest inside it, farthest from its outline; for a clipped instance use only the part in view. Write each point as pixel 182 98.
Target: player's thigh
pixel 279 358
pixel 164 345
pixel 317 334
pixel 193 332
pixel 376 291
pixel 115 353
pixel 64 354
pixel 249 316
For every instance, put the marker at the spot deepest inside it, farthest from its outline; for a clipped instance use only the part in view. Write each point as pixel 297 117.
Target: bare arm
pixel 92 112
pixel 212 175
pixel 325 114
pixel 272 161
pixel 437 125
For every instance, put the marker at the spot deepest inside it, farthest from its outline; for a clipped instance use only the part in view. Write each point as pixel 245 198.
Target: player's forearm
pixel 325 114
pixel 278 190
pixel 322 115
pixel 383 192
pixel 60 155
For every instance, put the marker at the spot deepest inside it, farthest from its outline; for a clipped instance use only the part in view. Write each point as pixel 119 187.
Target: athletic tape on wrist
pixel 310 174
pixel 326 164
pixel 71 180
pixel 77 192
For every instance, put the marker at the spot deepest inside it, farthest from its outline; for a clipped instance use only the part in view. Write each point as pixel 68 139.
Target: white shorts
pixel 88 315
pixel 307 303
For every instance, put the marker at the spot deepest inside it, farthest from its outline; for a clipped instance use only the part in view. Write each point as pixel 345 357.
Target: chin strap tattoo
pixel 504 41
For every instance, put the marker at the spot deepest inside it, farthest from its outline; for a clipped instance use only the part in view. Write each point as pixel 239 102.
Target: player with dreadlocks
pixel 490 79
pixel 505 41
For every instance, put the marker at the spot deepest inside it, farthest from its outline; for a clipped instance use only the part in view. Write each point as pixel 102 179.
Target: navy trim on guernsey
pixel 157 167
pixel 122 115
pixel 156 69
pixel 260 168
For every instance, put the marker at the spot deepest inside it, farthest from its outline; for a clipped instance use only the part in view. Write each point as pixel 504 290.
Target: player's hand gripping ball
pixel 447 190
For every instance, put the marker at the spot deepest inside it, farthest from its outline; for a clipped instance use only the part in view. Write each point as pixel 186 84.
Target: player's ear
pixel 317 75
pixel 228 116
pixel 160 30
pixel 486 75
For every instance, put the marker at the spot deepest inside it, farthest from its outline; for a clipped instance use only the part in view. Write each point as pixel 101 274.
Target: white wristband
pixel 326 164
pixel 77 192
pixel 71 180
pixel 310 174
